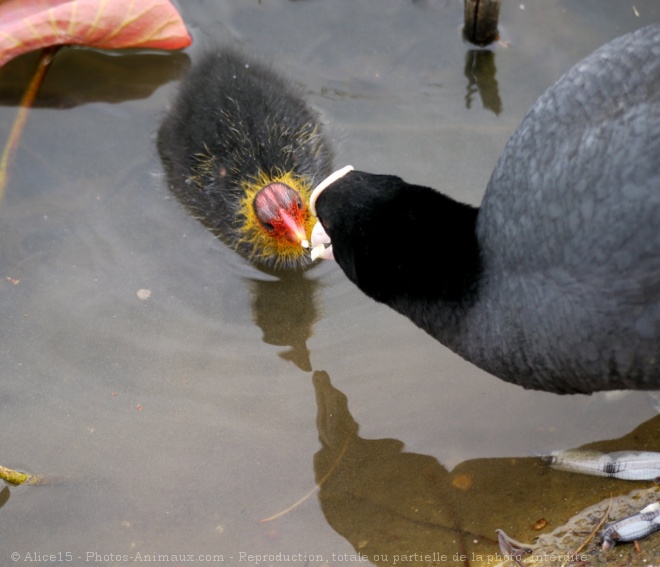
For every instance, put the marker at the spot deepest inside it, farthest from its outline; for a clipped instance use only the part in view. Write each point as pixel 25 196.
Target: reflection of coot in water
pixel 242 151
pixel 554 282
pixel 386 501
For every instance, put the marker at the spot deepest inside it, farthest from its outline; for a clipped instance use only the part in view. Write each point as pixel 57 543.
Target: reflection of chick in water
pixel 285 311
pixel 243 151
pixel 387 502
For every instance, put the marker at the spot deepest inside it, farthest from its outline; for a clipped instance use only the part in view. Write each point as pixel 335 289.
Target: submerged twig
pixel 319 484
pixel 30 95
pixel 592 534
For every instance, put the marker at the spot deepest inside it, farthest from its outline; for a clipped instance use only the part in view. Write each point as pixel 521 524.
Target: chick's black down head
pixel 242 151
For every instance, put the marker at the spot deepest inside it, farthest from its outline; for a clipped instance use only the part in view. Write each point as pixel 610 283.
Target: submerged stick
pixel 318 486
pixel 30 95
pixel 592 534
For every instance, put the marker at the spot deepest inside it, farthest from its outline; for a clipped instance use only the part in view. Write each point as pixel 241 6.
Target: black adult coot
pixel 554 282
pixel 242 151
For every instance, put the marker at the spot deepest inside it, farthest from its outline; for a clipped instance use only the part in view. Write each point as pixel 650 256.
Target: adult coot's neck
pixel 407 246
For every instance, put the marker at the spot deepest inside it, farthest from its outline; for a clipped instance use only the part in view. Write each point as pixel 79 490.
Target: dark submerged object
pixel 242 151
pixel 554 282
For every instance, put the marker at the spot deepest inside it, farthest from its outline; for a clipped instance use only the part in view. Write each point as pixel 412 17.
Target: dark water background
pixel 179 421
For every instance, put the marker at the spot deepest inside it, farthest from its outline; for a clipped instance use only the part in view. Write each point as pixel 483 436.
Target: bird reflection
pixel 480 72
pixel 388 502
pixel 285 311
pixel 385 501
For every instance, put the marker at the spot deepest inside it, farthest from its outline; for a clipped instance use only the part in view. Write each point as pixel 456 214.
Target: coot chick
pixel 554 282
pixel 242 151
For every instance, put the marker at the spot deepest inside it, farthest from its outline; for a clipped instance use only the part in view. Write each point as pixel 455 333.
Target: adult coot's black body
pixel 554 282
pixel 242 151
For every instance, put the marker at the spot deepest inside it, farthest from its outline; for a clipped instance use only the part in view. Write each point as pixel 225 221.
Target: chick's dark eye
pixel 299 202
pixel 269 227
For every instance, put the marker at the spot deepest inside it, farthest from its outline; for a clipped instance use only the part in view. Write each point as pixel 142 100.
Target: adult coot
pixel 554 282
pixel 242 151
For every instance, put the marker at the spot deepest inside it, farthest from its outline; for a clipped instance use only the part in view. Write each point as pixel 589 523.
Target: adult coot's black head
pixel 383 232
pixel 242 151
pixel 554 282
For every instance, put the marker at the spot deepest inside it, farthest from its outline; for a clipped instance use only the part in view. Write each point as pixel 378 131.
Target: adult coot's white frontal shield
pixel 319 237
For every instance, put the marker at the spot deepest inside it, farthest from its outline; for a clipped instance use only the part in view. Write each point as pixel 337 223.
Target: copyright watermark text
pixel 95 557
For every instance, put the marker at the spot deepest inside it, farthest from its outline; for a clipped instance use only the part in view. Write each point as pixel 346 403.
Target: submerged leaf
pixel 26 25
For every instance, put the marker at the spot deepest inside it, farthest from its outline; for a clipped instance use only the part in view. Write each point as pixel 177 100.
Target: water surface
pixel 179 421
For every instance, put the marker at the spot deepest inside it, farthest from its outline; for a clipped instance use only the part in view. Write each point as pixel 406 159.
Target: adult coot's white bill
pixel 554 282
pixel 242 151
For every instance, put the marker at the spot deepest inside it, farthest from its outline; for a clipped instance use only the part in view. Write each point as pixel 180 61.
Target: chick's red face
pixel 281 213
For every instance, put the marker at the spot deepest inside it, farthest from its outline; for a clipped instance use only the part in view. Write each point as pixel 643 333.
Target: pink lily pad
pixel 26 25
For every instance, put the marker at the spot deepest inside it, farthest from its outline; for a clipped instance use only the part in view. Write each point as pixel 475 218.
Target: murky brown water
pixel 181 420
